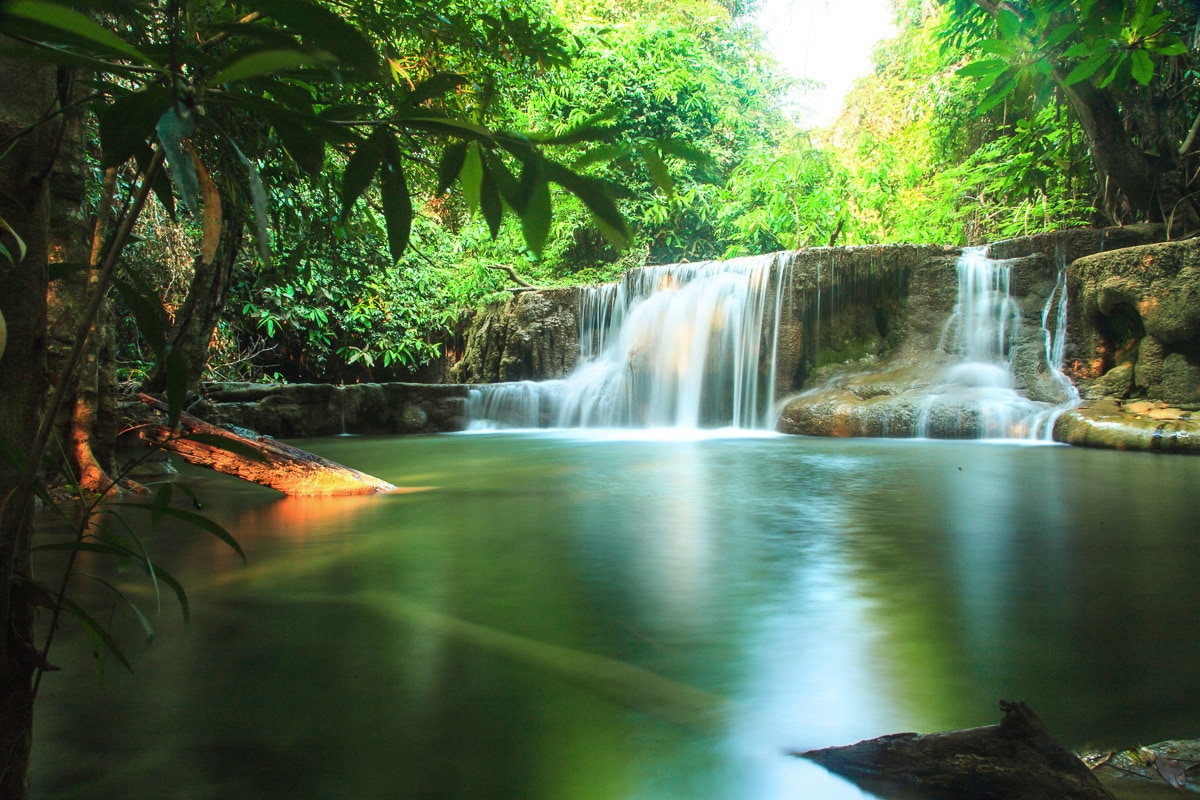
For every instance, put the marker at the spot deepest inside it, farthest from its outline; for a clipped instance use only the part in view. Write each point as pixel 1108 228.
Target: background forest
pixel 951 139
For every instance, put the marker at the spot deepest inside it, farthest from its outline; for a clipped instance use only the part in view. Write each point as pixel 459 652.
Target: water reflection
pixel 622 618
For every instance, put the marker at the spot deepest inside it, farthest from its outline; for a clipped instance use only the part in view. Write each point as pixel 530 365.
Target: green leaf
pixel 1088 68
pixel 677 148
pixel 192 518
pixel 1008 23
pixel 1060 34
pixel 439 124
pixel 451 166
pixel 1172 46
pixel 595 127
pixel 538 213
pixel 174 128
pixel 506 182
pixel 435 86
pixel 997 96
pixel 1077 50
pixel 303 142
pixel 489 202
pixel 323 28
pixel 471 176
pixel 361 168
pixel 258 200
pixel 1141 15
pixel 605 152
pixel 147 628
pixel 998 47
pixel 95 631
pixel 176 384
pixel 990 66
pixel 180 595
pixel 129 122
pixel 599 201
pixel 1143 67
pixel 397 203
pixel 162 182
pixel 1121 61
pixel 21 248
pixel 267 62
pixel 148 313
pixel 77 25
pixel 51 54
pixel 162 499
pixel 658 170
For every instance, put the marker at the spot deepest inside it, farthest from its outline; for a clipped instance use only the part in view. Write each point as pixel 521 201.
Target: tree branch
pixel 512 274
pixel 1191 137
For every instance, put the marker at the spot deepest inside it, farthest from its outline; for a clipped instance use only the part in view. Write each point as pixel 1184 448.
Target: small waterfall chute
pixel 976 396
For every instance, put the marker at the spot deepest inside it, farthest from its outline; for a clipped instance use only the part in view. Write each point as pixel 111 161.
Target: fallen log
pixel 1018 758
pixel 1165 769
pixel 260 459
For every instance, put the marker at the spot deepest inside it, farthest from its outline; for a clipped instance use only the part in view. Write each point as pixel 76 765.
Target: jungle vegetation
pixel 318 189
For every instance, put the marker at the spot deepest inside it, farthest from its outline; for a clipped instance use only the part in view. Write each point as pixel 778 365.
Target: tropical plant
pixel 1124 72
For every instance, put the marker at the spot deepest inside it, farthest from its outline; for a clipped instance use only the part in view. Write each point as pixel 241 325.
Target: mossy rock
pixel 1109 423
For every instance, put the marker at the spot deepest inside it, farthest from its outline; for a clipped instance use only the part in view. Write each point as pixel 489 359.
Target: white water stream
pixel 977 393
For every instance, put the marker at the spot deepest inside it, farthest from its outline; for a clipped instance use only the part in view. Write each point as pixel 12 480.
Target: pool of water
pixel 638 617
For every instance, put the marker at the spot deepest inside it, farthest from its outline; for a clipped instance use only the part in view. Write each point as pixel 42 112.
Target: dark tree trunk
pixel 27 94
pixel 83 437
pixel 191 335
pixel 1120 164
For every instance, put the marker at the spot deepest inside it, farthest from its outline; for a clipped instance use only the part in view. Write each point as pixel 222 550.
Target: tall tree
pixel 29 131
pixel 1127 75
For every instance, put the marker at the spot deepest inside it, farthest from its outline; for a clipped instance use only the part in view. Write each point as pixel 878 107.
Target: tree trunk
pixel 260 459
pixel 27 94
pixel 191 335
pixel 87 443
pixel 1120 164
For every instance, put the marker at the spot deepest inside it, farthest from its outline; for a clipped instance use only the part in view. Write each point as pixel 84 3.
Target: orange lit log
pixel 260 460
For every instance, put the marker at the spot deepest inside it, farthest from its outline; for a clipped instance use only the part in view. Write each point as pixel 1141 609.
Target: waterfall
pixel 683 346
pixel 976 395
pixel 1055 343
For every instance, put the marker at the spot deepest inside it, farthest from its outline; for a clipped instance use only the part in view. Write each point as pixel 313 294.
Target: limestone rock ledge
pixel 1136 323
pixel 1111 423
pixel 533 336
pixel 308 409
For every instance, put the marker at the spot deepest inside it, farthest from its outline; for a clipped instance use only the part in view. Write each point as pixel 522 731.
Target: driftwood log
pixel 261 459
pixel 1016 759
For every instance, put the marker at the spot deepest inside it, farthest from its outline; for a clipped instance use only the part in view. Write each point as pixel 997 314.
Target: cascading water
pixel 683 346
pixel 976 396
pixel 1055 342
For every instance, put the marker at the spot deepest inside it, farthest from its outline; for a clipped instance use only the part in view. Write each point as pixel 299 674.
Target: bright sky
pixel 828 41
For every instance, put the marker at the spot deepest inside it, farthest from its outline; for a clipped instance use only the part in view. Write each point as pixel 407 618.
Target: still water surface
pixel 568 617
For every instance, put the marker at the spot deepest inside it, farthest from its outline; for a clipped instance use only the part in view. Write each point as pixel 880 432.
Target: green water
pixel 602 617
